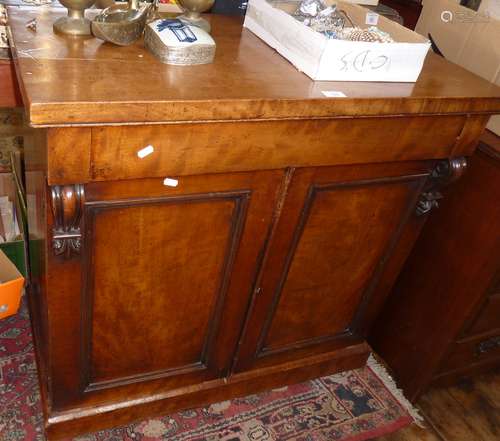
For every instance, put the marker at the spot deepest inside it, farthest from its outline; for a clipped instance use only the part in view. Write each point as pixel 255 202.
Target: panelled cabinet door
pixel 337 228
pixel 166 280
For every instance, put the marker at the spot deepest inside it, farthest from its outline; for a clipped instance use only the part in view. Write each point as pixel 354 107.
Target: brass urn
pixel 75 22
pixel 192 11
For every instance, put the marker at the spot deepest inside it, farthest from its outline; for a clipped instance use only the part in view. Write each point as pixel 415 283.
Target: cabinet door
pixel 337 229
pixel 166 280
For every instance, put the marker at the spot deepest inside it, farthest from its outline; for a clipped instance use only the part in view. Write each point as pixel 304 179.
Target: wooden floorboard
pixel 412 433
pixel 479 411
pixel 489 386
pixel 467 411
pixel 449 416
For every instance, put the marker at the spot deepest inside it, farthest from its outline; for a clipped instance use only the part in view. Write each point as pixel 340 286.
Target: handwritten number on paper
pixel 364 61
pixel 360 61
pixel 380 61
pixel 345 67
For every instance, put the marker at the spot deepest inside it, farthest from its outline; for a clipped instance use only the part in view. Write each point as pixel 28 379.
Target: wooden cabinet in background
pixel 10 95
pixel 408 9
pixel 442 319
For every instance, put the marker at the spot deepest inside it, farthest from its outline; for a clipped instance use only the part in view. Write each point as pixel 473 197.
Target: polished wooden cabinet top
pixel 85 81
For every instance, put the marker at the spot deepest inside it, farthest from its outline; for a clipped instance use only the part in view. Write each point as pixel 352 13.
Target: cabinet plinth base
pixel 61 425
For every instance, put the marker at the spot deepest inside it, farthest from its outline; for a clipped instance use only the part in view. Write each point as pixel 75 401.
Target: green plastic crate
pixel 15 252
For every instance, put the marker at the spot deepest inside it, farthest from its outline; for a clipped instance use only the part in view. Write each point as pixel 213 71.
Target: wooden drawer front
pixel 489 317
pixel 472 351
pixel 189 149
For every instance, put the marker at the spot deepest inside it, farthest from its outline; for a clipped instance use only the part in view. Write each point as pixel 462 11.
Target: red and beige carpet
pixel 355 405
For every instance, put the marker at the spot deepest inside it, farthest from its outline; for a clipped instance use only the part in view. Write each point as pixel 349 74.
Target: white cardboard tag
pixel 142 153
pixel 170 182
pixel 333 94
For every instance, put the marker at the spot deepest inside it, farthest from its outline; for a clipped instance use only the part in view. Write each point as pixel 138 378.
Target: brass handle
pixel 488 345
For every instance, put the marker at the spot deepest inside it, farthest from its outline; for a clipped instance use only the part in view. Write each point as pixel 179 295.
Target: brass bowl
pixel 193 9
pixel 75 23
pixel 120 24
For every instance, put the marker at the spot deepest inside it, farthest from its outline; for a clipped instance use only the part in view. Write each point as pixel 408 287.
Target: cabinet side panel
pixel 35 161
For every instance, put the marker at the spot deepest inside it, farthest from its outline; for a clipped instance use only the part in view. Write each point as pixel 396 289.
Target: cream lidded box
pixel 173 41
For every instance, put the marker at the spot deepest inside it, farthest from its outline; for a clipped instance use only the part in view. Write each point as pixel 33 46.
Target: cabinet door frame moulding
pixel 91 209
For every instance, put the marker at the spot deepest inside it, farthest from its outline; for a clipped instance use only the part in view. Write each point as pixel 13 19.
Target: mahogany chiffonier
pixel 200 233
pixel 442 320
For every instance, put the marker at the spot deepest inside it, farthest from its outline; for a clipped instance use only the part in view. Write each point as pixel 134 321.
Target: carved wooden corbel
pixel 67 209
pixel 445 172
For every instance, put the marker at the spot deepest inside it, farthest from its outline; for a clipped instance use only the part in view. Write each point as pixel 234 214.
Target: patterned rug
pixel 352 406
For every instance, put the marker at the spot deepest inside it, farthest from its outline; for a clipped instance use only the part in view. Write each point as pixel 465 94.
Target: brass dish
pixel 121 24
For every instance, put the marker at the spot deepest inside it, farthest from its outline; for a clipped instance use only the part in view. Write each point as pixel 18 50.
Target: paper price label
pixel 333 94
pixel 371 18
pixel 170 182
pixel 142 153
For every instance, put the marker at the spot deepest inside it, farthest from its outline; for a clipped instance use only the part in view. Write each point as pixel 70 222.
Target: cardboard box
pixel 14 249
pixel 326 59
pixel 363 2
pixel 9 144
pixel 490 7
pixel 11 287
pixel 465 37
